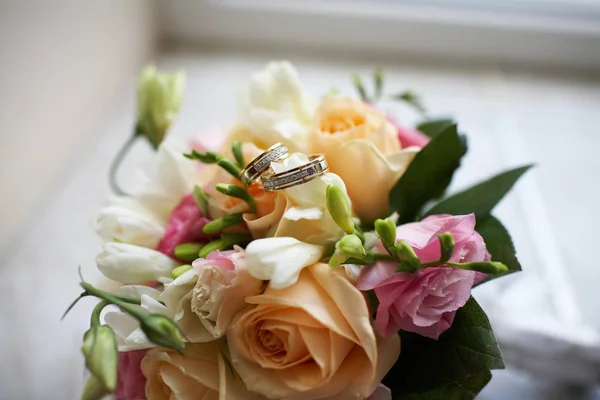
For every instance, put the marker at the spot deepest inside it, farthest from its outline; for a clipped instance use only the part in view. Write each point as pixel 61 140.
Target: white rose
pixel 125 220
pixel 133 264
pixel 274 107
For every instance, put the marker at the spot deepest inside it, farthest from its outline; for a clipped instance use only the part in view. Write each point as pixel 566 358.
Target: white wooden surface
pixel 554 119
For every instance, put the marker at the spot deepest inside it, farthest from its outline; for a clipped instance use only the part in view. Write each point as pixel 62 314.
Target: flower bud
pixel 338 206
pixel 159 96
pixel 182 269
pixel 162 331
pixel 101 355
pixel 223 223
pixel 351 246
pixel 446 246
pixel 386 230
pixel 94 389
pixel 201 198
pixel 219 244
pixel 404 253
pixel 236 149
pixel 232 190
pixel 187 251
pixel 337 259
pixel 487 267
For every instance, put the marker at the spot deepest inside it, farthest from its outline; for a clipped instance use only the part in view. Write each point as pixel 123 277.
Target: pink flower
pixel 185 225
pixel 426 302
pixel 131 384
pixel 411 137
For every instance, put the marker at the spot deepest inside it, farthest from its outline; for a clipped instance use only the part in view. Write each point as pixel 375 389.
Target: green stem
pixel 116 163
pixel 95 317
pixel 112 299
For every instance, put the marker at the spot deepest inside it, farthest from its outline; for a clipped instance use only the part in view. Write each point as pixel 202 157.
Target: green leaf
pixel 428 175
pixel 462 390
pixel 466 349
pixel 499 244
pixel 378 83
pixel 481 198
pixel 434 127
pixel 360 88
pixel 412 99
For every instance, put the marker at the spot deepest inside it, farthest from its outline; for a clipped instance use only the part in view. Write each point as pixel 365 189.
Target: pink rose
pixel 185 225
pixel 410 137
pixel 131 384
pixel 426 302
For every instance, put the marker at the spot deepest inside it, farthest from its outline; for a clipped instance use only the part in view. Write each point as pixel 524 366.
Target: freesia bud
pixel 446 246
pixel 161 330
pixel 232 190
pixel 337 259
pixel 182 269
pixel 386 230
pixel 338 206
pixel 223 223
pixel 101 355
pixel 487 267
pixel 94 389
pixel 159 96
pixel 351 246
pixel 133 264
pixel 236 149
pixel 187 251
pixel 406 255
pixel 219 244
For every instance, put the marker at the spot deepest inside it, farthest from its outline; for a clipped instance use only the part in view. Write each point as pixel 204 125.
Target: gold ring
pixel 260 164
pixel 315 167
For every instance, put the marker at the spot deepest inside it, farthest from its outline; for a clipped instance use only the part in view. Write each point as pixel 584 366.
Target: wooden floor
pixel 512 117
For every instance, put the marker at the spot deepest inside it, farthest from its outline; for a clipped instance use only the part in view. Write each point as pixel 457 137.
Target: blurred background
pixel 522 77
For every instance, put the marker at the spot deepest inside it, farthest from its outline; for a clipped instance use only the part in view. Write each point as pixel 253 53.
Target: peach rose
pixel 362 147
pixel 201 372
pixel 311 340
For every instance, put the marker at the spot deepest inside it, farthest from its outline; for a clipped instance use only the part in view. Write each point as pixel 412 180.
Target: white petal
pixel 136 291
pixel 153 305
pixel 133 264
pixel 298 213
pixel 171 177
pixel 280 260
pixel 128 223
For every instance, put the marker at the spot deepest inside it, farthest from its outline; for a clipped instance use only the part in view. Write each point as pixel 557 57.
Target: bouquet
pixel 311 254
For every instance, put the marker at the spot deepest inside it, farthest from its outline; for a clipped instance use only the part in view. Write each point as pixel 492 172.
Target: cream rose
pixel 362 147
pixel 200 372
pixel 204 300
pixel 311 340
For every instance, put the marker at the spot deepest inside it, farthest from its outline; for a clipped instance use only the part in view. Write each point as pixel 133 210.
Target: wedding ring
pixel 262 163
pixel 315 167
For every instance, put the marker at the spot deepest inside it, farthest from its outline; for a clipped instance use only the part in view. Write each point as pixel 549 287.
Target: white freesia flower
pixel 133 264
pixel 125 220
pixel 140 220
pixel 275 108
pixel 307 206
pixel 169 178
pixel 128 333
pixel 280 259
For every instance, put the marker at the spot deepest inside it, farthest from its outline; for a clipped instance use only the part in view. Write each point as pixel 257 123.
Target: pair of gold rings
pixel 260 167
